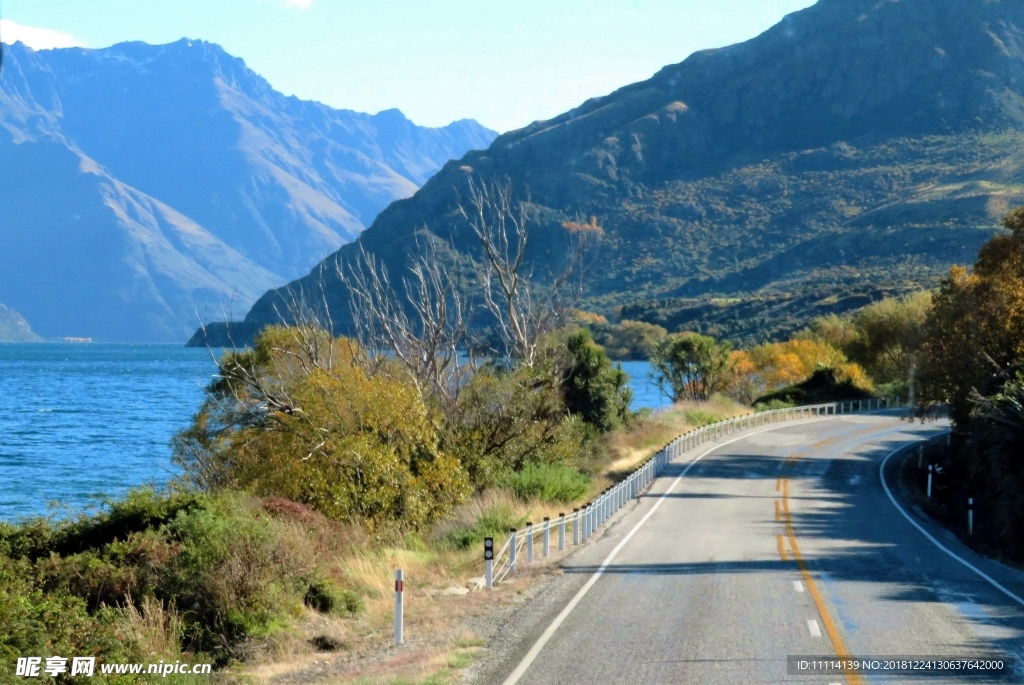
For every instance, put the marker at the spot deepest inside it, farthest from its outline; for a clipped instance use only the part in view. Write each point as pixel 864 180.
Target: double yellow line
pixel 782 484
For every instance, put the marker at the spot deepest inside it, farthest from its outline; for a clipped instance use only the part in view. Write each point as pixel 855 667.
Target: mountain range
pixel 145 188
pixel 856 149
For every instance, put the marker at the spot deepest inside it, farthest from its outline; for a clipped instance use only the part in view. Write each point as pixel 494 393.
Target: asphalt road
pixel 778 542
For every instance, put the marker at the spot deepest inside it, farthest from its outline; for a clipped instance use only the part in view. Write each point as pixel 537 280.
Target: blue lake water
pixel 81 422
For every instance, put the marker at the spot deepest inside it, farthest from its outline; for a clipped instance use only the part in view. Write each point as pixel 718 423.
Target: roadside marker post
pixel 399 604
pixel 561 532
pixel 512 551
pixel 529 542
pixel 970 516
pixel 931 468
pixel 575 526
pixel 547 536
pixel 489 563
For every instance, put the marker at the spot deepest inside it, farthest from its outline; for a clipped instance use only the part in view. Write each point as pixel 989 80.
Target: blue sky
pixel 503 63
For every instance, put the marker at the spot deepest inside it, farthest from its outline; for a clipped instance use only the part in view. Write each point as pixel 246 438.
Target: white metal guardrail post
pixel 399 604
pixel 547 536
pixel 561 532
pixel 529 542
pixel 575 526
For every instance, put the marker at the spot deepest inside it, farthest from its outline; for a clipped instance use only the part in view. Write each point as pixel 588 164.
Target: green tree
pixel 593 388
pixel 689 365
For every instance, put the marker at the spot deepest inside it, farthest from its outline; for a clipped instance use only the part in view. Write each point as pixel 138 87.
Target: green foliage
pixel 327 599
pixel 592 388
pixel 508 418
pixel 37 622
pixel 883 337
pixel 493 523
pixel 629 340
pixel 300 417
pixel 823 386
pixel 996 460
pixel 774 404
pixel 556 483
pixel 227 568
pixel 692 366
pixel 699 417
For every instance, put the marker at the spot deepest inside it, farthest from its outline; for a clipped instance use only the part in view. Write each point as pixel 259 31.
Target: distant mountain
pixel 856 149
pixel 144 187
pixel 14 328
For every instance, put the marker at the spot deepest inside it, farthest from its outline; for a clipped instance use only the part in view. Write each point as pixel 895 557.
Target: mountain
pixel 856 149
pixel 14 328
pixel 147 186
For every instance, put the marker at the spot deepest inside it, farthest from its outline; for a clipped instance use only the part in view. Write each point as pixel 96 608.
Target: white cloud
pixel 39 39
pixel 301 4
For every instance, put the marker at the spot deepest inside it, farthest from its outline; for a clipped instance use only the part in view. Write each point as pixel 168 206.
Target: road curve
pixel 781 541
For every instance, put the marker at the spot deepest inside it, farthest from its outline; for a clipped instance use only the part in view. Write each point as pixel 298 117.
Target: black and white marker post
pixel 488 563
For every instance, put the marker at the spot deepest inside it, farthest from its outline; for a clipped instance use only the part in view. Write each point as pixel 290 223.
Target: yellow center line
pixel 852 677
pixel 778 511
pixel 782 548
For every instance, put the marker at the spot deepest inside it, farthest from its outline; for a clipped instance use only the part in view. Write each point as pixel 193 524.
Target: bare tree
pixel 426 331
pixel 522 309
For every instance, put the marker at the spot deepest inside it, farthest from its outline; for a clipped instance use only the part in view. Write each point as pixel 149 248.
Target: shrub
pixel 492 523
pixel 507 419
pixel 699 417
pixel 316 427
pixel 34 622
pixel 594 389
pixel 548 483
pixel 325 598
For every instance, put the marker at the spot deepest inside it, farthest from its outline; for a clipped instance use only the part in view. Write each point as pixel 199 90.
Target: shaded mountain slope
pixel 154 185
pixel 856 148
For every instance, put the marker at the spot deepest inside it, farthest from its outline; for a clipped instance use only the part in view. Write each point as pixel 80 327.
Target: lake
pixel 81 422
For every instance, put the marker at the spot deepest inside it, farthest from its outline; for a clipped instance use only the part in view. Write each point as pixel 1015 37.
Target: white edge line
pixel 531 655
pixel 991 581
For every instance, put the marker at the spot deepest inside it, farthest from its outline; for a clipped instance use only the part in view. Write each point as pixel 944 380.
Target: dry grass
pixel 154 627
pixel 630 448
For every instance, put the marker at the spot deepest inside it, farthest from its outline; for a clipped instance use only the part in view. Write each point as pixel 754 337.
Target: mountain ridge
pixel 853 148
pixel 209 186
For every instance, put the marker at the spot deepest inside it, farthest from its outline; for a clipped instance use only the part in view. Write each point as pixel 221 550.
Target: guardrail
pixel 586 521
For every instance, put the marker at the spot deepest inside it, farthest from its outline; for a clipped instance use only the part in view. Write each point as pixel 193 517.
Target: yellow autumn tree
pixel 975 332
pixel 300 417
pixel 773 366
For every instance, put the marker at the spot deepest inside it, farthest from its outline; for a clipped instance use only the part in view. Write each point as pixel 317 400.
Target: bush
pixel 699 417
pixel 493 523
pixel 547 483
pixel 507 419
pixel 325 598
pixel 357 446
pixel 226 568
pixel 34 622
